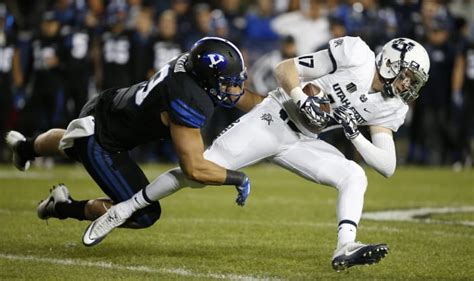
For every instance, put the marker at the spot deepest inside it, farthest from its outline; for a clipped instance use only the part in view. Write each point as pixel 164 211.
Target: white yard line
pixel 420 215
pixel 231 221
pixel 114 266
pixel 22 175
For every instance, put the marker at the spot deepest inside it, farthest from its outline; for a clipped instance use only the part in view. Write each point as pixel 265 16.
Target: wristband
pixel 234 178
pixel 298 96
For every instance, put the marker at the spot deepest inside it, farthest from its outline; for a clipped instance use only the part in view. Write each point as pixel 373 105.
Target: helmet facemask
pixel 226 94
pixel 407 83
pixel 403 65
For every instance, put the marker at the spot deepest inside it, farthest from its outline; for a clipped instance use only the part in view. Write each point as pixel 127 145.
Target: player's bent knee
pixel 356 179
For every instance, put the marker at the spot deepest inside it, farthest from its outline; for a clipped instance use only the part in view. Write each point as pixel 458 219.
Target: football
pixel 312 90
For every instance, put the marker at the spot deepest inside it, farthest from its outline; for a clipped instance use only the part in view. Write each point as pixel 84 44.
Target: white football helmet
pixel 404 65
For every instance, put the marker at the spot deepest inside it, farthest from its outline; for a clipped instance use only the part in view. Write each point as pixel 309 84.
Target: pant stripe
pixel 115 185
pixel 113 180
pixel 116 174
pixel 124 184
pixel 97 167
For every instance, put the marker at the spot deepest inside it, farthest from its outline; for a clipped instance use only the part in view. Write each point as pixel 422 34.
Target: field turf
pixel 287 231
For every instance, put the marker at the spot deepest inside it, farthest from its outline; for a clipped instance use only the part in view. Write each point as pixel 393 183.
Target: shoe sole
pixel 372 255
pixel 86 237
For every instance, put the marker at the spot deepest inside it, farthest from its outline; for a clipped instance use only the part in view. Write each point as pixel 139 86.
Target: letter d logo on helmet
pixel 215 60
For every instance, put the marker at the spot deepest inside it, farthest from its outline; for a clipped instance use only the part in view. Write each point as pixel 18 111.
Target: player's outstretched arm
pixel 190 148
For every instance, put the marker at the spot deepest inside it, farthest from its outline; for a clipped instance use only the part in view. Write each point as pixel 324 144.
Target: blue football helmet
pixel 217 64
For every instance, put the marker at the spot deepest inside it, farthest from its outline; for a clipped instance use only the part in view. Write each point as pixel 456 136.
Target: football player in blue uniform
pixel 175 103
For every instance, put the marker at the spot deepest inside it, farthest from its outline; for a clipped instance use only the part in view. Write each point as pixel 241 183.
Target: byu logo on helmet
pixel 215 59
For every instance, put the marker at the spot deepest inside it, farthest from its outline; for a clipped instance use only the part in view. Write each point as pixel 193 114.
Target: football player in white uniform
pixel 362 89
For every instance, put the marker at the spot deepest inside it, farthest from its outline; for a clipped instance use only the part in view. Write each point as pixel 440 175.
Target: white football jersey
pixel 349 84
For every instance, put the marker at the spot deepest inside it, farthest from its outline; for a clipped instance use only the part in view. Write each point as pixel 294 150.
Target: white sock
pixel 346 233
pixel 166 184
pixel 138 200
pixel 126 208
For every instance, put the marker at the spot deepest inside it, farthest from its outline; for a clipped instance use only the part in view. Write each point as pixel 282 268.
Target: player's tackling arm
pixel 380 153
pixel 190 148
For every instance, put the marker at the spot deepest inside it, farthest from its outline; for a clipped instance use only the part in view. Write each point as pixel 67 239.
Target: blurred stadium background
pixel 56 54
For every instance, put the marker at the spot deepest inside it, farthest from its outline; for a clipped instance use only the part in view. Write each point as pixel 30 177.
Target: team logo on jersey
pixel 338 42
pixel 351 87
pixel 216 60
pixel 267 117
pixel 363 98
pixel 346 102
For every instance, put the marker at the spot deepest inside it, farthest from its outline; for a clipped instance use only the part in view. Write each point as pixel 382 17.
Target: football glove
pixel 311 110
pixel 243 192
pixel 345 117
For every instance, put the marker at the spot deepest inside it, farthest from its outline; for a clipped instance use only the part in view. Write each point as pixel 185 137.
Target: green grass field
pixel 287 231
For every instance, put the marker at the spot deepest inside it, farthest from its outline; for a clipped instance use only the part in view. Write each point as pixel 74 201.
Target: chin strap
pixel 387 88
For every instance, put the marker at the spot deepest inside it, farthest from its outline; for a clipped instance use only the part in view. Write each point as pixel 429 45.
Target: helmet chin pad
pixel 387 88
pixel 222 96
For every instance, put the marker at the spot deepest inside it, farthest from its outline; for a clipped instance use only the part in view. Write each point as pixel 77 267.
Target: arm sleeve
pixel 315 65
pixel 380 154
pixel 344 52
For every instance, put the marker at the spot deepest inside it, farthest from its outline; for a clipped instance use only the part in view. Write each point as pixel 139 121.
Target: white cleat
pixel 45 209
pixel 102 226
pixel 12 138
pixel 356 253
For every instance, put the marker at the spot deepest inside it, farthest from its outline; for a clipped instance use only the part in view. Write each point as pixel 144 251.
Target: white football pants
pixel 263 134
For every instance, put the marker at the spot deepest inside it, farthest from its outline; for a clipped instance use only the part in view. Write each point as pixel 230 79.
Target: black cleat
pixel 12 139
pixel 355 253
pixel 45 209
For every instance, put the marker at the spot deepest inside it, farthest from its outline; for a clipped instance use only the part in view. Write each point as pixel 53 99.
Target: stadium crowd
pixel 56 54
